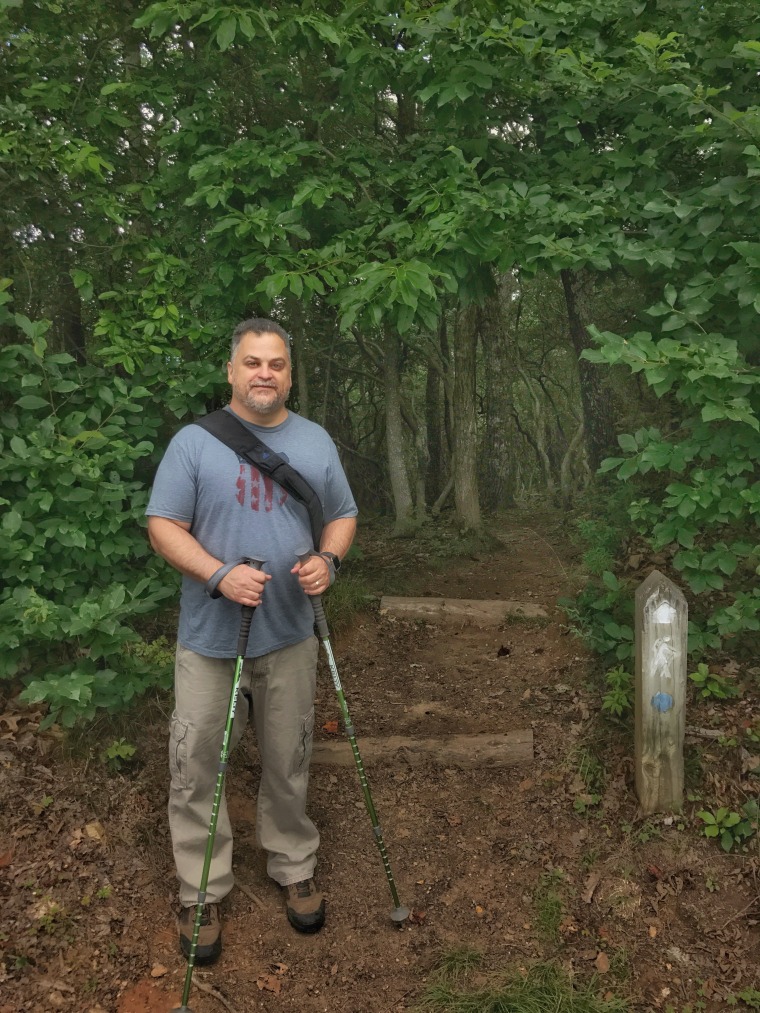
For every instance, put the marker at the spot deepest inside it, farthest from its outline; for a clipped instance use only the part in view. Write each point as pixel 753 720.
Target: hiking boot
pixel 305 906
pixel 209 946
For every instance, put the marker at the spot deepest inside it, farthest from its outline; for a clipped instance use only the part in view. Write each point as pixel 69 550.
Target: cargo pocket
pixel 178 751
pixel 305 741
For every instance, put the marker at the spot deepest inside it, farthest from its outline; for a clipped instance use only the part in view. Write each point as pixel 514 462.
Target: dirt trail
pixel 521 864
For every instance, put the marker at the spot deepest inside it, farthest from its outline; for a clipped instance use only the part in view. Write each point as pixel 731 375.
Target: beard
pixel 264 400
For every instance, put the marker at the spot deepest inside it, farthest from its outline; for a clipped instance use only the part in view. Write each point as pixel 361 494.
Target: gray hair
pixel 258 325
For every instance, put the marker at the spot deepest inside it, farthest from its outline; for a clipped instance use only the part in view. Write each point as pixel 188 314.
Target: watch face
pixel 333 559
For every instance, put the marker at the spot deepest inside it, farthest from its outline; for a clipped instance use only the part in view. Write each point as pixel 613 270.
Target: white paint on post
pixel 661 630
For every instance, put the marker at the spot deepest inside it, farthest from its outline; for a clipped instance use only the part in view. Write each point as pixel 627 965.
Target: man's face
pixel 259 375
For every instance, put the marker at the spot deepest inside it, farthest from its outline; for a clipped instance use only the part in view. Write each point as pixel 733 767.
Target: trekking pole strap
pixel 216 578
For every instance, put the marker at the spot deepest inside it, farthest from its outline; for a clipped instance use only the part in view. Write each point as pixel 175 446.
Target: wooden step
pixel 507 750
pixel 481 613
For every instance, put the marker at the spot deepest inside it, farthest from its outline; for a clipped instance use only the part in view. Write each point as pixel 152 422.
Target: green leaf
pixel 225 33
pixel 29 402
pixel 11 522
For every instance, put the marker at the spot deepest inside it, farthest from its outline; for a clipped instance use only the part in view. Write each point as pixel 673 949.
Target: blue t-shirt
pixel 235 511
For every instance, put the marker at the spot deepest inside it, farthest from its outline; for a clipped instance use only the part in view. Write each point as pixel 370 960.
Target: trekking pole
pixel 399 913
pixel 245 628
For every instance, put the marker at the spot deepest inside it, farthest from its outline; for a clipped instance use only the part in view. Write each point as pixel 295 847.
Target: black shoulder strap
pixel 225 427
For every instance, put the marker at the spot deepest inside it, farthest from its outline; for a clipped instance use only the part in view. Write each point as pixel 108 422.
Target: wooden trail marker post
pixel 661 623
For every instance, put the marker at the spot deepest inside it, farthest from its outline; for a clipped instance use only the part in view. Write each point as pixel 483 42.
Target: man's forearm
pixel 173 541
pixel 338 535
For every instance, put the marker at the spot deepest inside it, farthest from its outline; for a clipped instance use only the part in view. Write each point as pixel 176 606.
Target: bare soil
pixel 545 861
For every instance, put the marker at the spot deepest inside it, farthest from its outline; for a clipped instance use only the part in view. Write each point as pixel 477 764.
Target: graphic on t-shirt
pixel 250 483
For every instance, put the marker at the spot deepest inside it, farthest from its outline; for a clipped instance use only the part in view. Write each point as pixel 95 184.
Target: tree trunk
pixel 568 478
pixel 394 441
pixel 598 423
pixel 466 498
pixel 496 321
pixel 538 437
pixel 436 408
pixel 297 326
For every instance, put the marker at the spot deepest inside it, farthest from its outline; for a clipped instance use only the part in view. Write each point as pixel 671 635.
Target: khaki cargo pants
pixel 279 691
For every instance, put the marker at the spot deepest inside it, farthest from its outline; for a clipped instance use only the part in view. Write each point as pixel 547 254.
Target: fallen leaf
pixel 279 968
pixel 417 917
pixel 96 831
pixel 334 969
pixel 602 962
pixel 454 821
pixel 269 983
pixel 591 884
pixel 331 727
pixel 11 720
pixel 158 971
pixel 6 858
pixel 652 931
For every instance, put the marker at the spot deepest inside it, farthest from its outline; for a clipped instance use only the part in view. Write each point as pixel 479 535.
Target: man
pixel 208 508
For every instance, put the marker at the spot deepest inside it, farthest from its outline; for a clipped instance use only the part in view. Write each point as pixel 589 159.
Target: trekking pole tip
pixel 399 914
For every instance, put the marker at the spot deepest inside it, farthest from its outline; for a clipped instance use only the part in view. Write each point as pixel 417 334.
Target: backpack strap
pixel 230 431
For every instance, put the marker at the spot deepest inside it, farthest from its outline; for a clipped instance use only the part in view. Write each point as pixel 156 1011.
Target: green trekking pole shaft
pixel 242 644
pixel 399 913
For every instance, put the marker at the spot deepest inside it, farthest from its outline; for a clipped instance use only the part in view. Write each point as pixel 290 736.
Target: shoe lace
pixel 205 914
pixel 303 889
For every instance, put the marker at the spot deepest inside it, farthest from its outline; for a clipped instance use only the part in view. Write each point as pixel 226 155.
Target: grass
pixel 547 903
pixel 346 598
pixel 457 964
pixel 544 989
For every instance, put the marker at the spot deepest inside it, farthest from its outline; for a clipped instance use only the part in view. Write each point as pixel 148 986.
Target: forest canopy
pixel 516 247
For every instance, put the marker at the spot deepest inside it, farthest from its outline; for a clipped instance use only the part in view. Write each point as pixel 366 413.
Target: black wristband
pixel 331 559
pixel 216 578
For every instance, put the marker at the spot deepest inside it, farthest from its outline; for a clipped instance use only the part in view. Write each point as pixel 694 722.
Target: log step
pixel 482 613
pixel 507 750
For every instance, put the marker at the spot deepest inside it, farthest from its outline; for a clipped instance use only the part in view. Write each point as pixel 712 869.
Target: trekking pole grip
pixel 316 603
pixel 247 615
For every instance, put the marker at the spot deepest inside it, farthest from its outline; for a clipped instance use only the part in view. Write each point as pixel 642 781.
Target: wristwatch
pixel 332 559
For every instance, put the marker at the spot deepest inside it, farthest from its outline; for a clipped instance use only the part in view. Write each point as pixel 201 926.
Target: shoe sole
pixel 204 955
pixel 314 923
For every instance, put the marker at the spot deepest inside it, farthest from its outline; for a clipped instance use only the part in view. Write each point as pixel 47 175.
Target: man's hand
pixel 313 575
pixel 244 585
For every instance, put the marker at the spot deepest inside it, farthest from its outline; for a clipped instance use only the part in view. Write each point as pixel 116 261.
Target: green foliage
pixel 602 540
pixel 78 571
pixel 602 617
pixel 387 184
pixel 731 828
pixel 618 700
pixel 712 686
pixel 749 996
pixel 117 755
